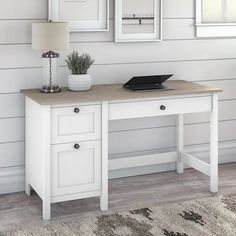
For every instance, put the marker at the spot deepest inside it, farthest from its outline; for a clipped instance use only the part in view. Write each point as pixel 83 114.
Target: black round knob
pixel 76 146
pixel 162 107
pixel 76 110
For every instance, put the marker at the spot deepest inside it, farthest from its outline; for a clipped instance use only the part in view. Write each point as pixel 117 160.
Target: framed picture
pixel 82 15
pixel 215 18
pixel 138 20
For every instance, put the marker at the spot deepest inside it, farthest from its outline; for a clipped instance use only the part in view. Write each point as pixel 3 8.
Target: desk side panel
pixel 34 123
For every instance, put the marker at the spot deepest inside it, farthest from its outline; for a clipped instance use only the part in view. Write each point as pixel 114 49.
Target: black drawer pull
pixel 76 110
pixel 162 107
pixel 76 146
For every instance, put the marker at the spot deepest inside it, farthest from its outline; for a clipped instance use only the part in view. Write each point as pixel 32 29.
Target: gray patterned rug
pixel 209 216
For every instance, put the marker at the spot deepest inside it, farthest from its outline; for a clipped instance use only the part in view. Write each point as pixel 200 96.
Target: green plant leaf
pixel 79 64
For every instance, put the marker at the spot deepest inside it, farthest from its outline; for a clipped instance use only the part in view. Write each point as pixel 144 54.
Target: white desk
pixel 67 136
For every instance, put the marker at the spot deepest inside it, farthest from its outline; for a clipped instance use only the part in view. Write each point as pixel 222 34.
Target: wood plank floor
pixel 18 210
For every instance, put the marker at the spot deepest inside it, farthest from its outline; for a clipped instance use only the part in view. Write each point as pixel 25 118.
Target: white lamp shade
pixel 50 36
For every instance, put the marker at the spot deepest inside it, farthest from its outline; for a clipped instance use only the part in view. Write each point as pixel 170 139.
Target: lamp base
pixel 55 89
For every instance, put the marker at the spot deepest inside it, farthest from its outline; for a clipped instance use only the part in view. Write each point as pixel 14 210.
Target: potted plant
pixel 79 79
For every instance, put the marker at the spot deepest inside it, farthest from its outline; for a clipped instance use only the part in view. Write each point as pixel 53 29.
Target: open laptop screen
pixel 146 80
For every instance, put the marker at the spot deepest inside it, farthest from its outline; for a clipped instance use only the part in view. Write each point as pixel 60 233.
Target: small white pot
pixel 79 82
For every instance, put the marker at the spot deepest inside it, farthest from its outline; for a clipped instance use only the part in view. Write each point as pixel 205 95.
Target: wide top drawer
pixel 161 107
pixel 77 123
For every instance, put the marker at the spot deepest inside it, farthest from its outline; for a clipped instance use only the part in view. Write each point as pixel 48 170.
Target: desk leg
pixel 46 208
pixel 46 126
pixel 27 145
pixel 104 190
pixel 214 145
pixel 180 143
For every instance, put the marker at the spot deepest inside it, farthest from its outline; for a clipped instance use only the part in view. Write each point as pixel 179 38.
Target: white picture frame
pixel 212 30
pixel 156 35
pixel 98 22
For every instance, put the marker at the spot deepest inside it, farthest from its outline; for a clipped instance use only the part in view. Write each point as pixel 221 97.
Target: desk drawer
pixel 76 168
pixel 79 123
pixel 159 107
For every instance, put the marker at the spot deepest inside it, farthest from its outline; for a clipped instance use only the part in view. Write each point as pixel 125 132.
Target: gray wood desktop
pixel 63 128
pixel 115 92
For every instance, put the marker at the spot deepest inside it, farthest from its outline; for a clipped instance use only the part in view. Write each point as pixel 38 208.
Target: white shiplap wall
pixel 208 61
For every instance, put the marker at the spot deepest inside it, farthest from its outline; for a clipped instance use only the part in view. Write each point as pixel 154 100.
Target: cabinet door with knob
pixel 76 168
pixel 78 123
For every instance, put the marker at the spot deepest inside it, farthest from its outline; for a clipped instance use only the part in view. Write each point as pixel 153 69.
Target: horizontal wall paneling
pixel 13 80
pixel 17 56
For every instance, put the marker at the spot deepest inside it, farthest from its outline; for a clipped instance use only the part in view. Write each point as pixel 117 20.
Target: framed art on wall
pixel 82 15
pixel 138 20
pixel 215 18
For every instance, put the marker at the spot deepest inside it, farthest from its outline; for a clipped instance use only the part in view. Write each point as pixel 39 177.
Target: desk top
pixel 116 92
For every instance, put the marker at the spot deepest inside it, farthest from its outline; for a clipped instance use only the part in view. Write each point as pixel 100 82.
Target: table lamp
pixel 50 37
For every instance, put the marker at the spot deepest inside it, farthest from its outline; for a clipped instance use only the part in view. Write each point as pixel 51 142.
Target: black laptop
pixel 147 82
